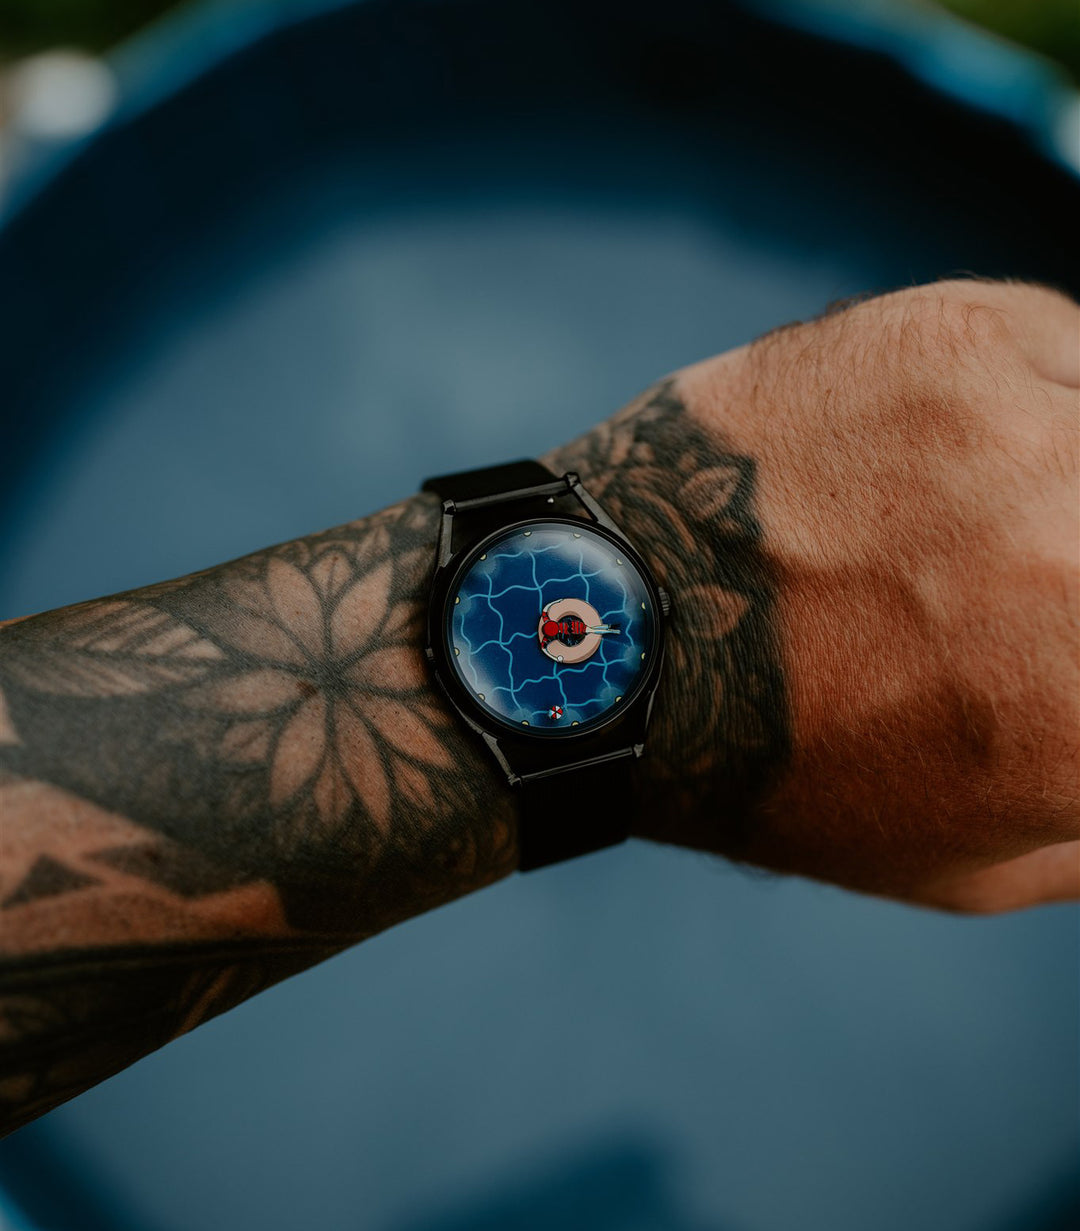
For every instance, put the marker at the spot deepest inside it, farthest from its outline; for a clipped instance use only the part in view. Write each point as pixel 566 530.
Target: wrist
pixel 686 500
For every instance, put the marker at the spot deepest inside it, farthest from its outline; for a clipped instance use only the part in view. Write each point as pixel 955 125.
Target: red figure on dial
pixel 571 630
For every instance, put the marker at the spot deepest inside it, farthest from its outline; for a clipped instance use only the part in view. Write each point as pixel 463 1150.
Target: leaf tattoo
pixel 720 730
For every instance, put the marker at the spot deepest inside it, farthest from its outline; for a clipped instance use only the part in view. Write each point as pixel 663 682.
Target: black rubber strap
pixel 573 811
pixel 471 525
pixel 490 481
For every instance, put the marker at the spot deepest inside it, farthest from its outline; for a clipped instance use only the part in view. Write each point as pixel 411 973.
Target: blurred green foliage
pixel 1048 26
pixel 1051 27
pixel 27 26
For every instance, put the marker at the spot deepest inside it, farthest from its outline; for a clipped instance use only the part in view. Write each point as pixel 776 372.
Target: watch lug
pixel 500 757
pixel 647 708
pixel 573 482
pixel 445 548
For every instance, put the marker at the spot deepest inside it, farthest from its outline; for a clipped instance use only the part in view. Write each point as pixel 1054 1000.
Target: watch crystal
pixel 551 627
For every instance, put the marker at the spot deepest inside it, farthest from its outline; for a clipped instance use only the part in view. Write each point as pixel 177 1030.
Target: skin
pixel 918 463
pixel 868 526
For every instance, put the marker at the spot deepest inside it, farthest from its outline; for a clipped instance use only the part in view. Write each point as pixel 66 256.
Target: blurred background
pixel 264 264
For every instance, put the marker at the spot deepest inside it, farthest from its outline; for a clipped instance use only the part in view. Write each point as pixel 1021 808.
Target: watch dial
pixel 551 627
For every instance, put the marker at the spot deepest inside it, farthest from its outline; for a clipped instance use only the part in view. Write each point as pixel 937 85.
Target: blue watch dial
pixel 551 627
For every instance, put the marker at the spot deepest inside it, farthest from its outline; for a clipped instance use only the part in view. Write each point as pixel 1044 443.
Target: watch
pixel 546 634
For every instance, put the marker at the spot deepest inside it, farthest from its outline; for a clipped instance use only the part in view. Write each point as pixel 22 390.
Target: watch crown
pixel 665 600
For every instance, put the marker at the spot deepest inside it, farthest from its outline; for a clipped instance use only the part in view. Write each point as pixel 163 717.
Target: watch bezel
pixel 481 719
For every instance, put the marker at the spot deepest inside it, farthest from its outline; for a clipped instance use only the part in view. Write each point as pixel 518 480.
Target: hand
pixel 869 527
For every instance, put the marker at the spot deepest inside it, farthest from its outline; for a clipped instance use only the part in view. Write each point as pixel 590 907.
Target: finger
pixel 1050 874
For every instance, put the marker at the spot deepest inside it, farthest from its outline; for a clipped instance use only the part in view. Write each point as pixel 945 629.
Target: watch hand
pixel 553 628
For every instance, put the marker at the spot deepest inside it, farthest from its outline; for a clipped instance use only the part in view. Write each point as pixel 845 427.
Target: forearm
pixel 212 783
pixel 215 782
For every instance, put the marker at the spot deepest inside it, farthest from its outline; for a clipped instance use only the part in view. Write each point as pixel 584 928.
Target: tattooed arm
pixel 210 784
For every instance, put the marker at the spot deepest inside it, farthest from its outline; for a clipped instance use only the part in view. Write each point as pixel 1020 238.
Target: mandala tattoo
pixel 261 772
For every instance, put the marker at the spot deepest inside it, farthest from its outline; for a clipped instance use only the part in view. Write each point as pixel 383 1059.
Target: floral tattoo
pixel 208 784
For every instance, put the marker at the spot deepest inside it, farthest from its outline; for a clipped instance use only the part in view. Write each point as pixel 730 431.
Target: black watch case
pixel 524 755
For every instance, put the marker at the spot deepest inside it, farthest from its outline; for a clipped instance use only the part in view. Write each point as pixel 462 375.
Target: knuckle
pixel 953 327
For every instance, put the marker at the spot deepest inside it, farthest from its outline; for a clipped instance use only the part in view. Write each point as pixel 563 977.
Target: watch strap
pixel 564 815
pixel 489 480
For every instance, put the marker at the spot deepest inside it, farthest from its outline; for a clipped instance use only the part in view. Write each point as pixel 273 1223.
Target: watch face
pixel 551 627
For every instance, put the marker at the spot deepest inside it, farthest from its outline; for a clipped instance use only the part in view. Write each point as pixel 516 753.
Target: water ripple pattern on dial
pixel 495 641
